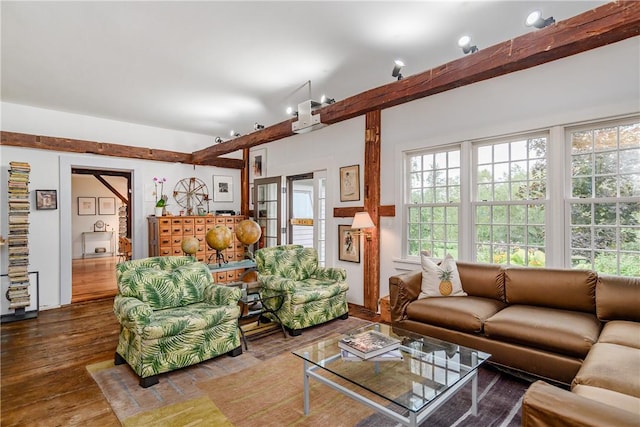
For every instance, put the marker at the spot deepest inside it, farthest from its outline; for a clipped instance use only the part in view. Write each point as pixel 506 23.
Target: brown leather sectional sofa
pixel 566 326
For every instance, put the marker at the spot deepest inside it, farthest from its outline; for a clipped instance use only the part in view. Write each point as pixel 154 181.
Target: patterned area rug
pixel 136 406
pixel 264 387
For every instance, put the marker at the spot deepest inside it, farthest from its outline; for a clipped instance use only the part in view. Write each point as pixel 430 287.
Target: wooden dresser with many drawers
pixel 166 234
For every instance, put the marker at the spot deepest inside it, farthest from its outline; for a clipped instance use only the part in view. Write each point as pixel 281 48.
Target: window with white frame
pixel 510 201
pixel 433 203
pixel 604 201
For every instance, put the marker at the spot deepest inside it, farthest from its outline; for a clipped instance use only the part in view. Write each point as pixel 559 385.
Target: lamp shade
pixel 362 220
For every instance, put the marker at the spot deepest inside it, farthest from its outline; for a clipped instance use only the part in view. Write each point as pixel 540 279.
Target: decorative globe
pixel 190 245
pixel 248 232
pixel 219 237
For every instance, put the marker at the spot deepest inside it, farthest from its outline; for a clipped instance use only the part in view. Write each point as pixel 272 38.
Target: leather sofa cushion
pixel 560 331
pixel 609 397
pixel 482 280
pixel 564 289
pixel 466 314
pixel 613 367
pixel 618 298
pixel 621 332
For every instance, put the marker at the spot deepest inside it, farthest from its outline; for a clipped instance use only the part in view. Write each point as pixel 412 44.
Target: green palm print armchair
pixel 172 315
pixel 310 294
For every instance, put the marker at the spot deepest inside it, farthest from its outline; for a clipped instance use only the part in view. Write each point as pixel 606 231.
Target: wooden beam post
pixel 371 252
pixel 244 184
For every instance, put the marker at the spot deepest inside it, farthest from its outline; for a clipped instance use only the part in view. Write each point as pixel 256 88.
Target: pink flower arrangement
pixel 161 199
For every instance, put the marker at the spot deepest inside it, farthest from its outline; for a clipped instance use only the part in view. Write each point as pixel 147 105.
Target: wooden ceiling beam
pixel 270 134
pixel 107 149
pixel 598 27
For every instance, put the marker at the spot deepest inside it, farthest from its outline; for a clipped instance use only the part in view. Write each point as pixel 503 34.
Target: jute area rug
pixel 263 386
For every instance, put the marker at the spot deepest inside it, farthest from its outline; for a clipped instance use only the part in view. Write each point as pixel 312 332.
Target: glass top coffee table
pixel 430 373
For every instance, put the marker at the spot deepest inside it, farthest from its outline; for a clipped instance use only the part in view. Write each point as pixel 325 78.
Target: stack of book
pixel 370 345
pixel 18 240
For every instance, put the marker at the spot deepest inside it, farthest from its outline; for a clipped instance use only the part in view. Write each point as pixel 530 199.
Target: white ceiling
pixel 211 66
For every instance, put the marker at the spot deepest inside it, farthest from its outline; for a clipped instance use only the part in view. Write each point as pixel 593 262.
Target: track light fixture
pixel 326 100
pixel 291 112
pixel 465 43
pixel 535 19
pixel 233 134
pixel 396 69
pixel 257 126
pixel 218 140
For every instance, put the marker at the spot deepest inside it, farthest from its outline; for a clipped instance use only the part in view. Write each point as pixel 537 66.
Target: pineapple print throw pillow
pixel 440 280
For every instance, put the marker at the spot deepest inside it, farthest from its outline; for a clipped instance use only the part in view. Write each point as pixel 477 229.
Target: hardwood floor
pixel 42 364
pixel 93 278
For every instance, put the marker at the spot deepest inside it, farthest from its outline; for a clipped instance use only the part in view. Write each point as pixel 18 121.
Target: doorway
pixel 306 207
pixel 268 210
pixel 101 218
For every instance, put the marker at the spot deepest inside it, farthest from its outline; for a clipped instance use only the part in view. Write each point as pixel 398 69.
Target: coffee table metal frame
pixel 415 417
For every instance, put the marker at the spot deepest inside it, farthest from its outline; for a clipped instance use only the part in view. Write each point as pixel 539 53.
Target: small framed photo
pixel 46 199
pixel 222 188
pixel 348 244
pixel 258 164
pixel 350 183
pixel 106 205
pixel 86 205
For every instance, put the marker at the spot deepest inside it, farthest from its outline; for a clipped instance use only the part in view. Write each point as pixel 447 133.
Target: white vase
pixel 159 211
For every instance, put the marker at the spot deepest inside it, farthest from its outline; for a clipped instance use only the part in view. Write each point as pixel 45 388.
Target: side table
pixel 254 307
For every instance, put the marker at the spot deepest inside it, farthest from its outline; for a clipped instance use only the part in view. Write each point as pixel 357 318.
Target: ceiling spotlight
pixel 218 140
pixel 233 133
pixel 465 43
pixel 326 100
pixel 535 19
pixel 396 69
pixel 257 126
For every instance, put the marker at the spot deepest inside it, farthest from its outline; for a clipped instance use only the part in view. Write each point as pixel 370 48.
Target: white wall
pixel 597 84
pixel 51 237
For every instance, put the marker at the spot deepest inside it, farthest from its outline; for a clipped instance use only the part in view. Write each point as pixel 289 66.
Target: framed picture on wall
pixel 258 164
pixel 86 205
pixel 348 244
pixel 222 188
pixel 107 205
pixel 46 199
pixel 350 183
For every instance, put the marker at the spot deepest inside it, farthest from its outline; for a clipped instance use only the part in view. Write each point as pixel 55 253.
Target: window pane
pixel 581 187
pixel 606 186
pixel 630 136
pixel 605 213
pixel 435 184
pixel 580 214
pixel 606 163
pixel 630 239
pixel 582 165
pixel 580 237
pixel 517 214
pixel 605 139
pixel 581 142
pixel 630 161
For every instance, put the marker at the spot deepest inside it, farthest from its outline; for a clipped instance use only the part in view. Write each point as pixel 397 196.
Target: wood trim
pixel 347 212
pixel 609 23
pixel 69 145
